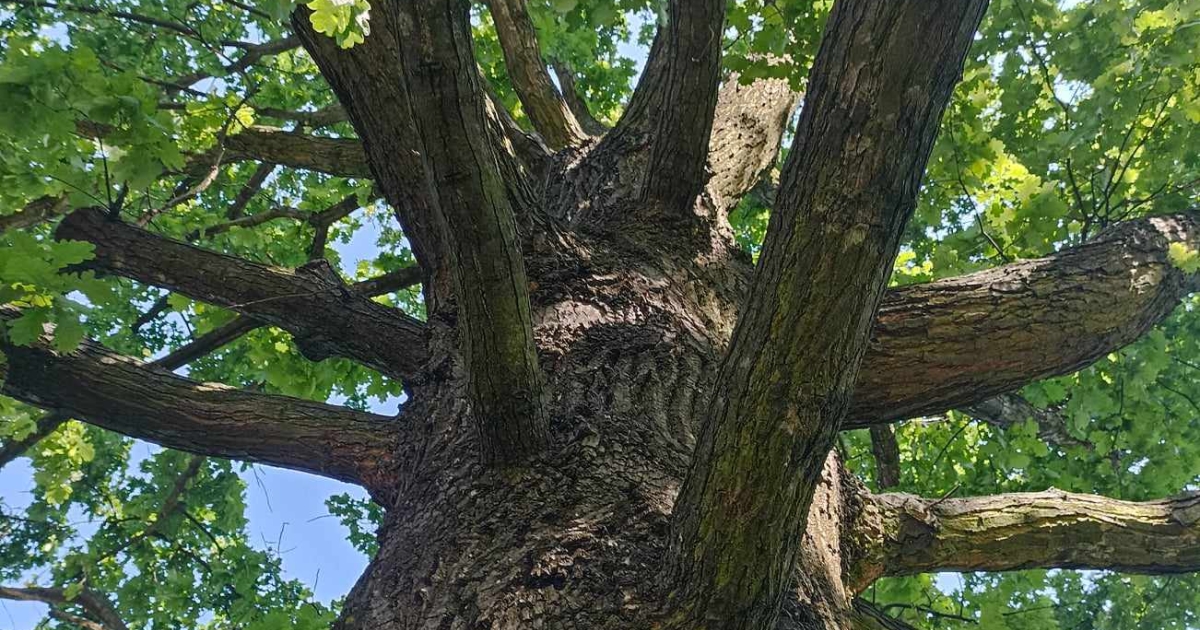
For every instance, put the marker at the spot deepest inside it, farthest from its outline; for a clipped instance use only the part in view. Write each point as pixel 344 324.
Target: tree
pixel 643 355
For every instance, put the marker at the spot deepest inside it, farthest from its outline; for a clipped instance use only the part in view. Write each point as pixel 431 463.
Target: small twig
pixel 948 494
pixel 930 611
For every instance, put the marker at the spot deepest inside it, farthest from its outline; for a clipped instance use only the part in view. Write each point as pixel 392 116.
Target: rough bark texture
pixel 312 302
pixel 876 92
pixel 955 342
pixel 673 106
pixel 747 132
pixel 336 156
pixel 148 402
pixel 1034 530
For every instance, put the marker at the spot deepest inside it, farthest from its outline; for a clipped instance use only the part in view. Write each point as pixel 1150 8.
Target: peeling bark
pixel 747 133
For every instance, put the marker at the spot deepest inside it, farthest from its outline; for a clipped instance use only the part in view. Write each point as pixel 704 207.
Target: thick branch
pixel 95 604
pixel 542 103
pixel 955 342
pixel 206 344
pixel 312 303
pixel 335 156
pixel 883 75
pixel 147 402
pixel 1027 531
pixel 747 131
pixel 456 194
pixel 37 211
pixel 675 100
pixel 579 107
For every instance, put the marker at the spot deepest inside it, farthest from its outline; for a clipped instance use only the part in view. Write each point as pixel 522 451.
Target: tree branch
pixel 747 131
pixel 956 342
pixel 455 193
pixel 251 56
pixel 37 211
pixel 1007 410
pixel 133 18
pixel 43 427
pixel 674 103
pixel 1031 530
pixel 579 107
pixel 147 402
pixel 336 156
pixel 867 616
pixel 312 303
pixel 204 345
pixel 881 79
pixel 342 157
pixel 887 455
pixel 95 604
pixel 85 624
pixel 542 103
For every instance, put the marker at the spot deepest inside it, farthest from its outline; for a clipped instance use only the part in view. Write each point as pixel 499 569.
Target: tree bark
pixel 673 106
pixel 324 316
pixel 887 455
pixel 747 132
pixel 956 342
pixel 1042 530
pixel 580 354
pixel 468 215
pixel 877 89
pixel 144 401
pixel 547 110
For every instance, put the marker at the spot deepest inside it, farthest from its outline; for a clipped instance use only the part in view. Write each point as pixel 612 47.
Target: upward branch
pixel 881 79
pixel 546 108
pixel 435 150
pixel 674 102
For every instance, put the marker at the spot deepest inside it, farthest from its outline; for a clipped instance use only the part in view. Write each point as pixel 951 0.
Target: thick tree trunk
pixel 629 346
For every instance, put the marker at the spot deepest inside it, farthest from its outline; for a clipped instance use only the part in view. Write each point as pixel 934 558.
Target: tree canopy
pixel 206 122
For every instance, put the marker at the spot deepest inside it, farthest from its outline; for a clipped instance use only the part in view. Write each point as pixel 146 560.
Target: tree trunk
pixel 630 345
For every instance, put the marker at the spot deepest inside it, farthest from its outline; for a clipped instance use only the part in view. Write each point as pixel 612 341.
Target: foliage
pixel 1071 116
